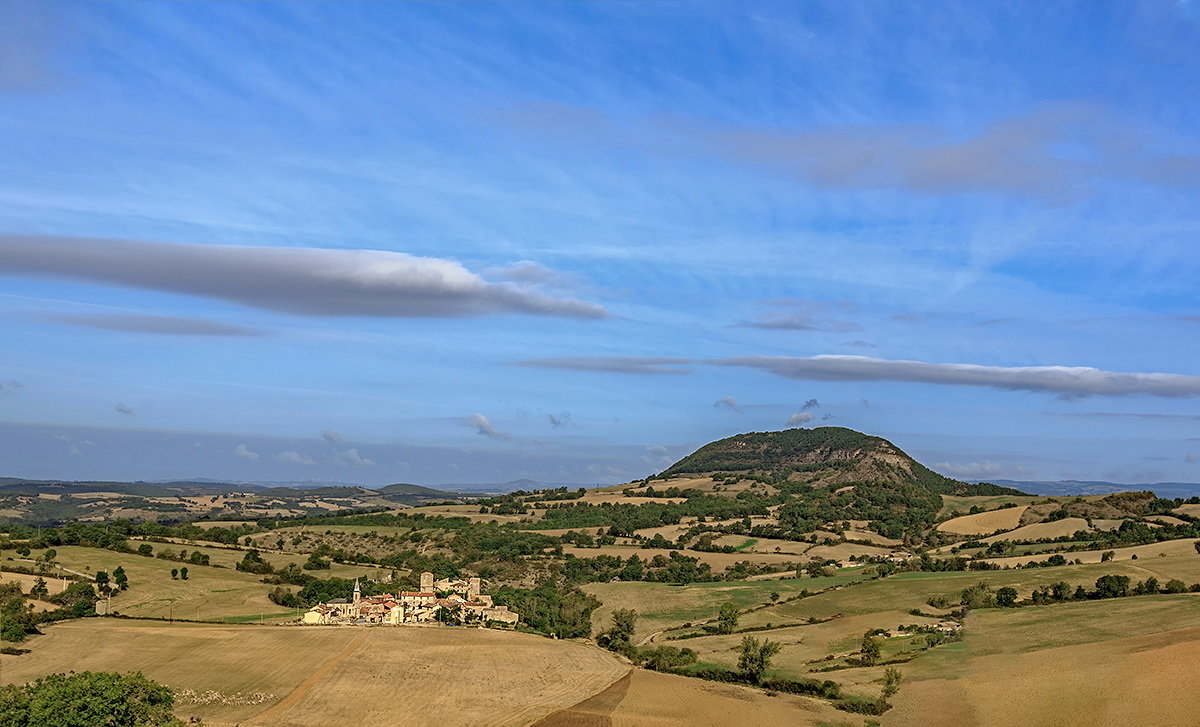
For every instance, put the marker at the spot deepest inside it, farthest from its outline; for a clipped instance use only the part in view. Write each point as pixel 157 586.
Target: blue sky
pixel 471 242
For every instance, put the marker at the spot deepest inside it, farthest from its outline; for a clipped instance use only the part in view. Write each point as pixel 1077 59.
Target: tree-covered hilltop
pixel 823 456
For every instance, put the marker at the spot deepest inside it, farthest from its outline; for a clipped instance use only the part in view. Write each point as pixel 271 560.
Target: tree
pixel 870 650
pixel 1107 556
pixel 1196 545
pixel 102 580
pixel 1111 586
pixel 891 682
pixel 39 589
pixel 774 596
pixel 979 595
pixel 1006 596
pixel 174 573
pixel 120 578
pixel 1175 586
pixel 316 562
pixel 756 657
pixel 727 618
pixel 1148 586
pixel 88 699
pixel 145 549
pixel 617 637
pixel 183 573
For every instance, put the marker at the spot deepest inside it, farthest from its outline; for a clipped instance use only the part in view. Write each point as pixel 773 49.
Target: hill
pixel 407 490
pixel 823 456
pixel 1094 487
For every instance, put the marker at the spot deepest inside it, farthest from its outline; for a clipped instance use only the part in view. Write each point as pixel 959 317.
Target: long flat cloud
pixel 164 325
pixel 1069 381
pixel 1051 152
pixel 292 280
pixel 613 364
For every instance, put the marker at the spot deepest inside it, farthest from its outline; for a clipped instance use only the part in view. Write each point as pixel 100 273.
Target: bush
pixel 88 699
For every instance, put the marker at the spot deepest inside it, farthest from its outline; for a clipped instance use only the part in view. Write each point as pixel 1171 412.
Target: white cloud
pixel 307 281
pixel 798 419
pixel 244 452
pixel 986 468
pixel 352 458
pixel 290 457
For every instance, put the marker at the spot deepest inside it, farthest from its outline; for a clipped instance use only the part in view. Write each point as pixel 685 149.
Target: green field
pixel 663 605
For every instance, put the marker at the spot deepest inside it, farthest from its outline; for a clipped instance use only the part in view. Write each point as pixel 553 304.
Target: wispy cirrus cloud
pixel 308 281
pixel 1066 381
pixel 165 325
pixel 654 365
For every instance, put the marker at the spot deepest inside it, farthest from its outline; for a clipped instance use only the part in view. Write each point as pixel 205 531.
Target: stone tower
pixel 357 592
pixel 426 582
pixel 474 588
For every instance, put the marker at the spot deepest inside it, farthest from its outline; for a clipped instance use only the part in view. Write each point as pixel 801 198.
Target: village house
pixel 464 597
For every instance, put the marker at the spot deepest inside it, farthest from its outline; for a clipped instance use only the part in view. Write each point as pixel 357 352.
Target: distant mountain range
pixel 1099 487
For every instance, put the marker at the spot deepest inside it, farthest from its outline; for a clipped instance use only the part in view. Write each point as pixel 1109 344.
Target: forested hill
pixel 823 456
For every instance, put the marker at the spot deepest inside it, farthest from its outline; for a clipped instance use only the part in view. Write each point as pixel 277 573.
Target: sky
pixel 471 242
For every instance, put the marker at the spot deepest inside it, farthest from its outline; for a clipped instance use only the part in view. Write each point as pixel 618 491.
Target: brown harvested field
pixel 982 523
pixel 1193 510
pixel 650 699
pixel 223 523
pixel 1166 520
pixel 319 676
pixel 843 551
pixel 53 585
pixel 1184 547
pixel 876 538
pixel 670 532
pixel 1102 663
pixel 556 532
pixel 617 498
pixel 957 503
pixel 718 561
pixel 471 512
pixel 764 545
pixel 1036 531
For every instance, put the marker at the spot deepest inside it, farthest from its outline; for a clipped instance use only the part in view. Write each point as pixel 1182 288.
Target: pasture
pixel 208 594
pixel 1106 663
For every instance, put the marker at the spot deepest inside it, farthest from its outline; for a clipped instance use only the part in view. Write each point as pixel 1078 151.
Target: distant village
pixel 460 599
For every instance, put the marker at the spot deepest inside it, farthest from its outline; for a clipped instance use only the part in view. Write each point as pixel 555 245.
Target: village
pixel 460 601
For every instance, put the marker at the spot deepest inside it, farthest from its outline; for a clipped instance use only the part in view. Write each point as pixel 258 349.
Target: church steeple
pixel 357 592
